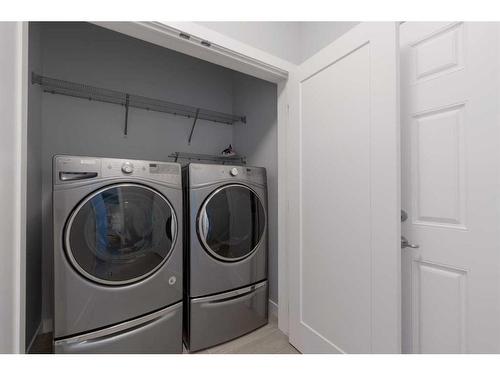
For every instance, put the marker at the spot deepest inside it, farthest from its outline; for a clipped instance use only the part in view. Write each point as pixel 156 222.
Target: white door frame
pixel 13 112
pixel 223 51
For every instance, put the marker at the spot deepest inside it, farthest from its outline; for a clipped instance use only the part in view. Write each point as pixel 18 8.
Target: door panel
pixel 345 271
pixel 439 308
pixel 451 174
pixel 348 246
pixel 438 168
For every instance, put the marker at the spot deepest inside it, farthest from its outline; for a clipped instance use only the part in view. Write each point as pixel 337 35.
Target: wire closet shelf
pixel 236 159
pixel 83 91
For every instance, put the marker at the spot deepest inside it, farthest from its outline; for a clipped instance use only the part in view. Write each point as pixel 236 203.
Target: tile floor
pixel 42 344
pixel 266 340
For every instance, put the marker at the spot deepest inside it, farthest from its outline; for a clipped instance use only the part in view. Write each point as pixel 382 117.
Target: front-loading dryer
pixel 226 293
pixel 117 256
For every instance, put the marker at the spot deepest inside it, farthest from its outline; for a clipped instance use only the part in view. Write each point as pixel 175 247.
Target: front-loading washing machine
pixel 117 255
pixel 226 292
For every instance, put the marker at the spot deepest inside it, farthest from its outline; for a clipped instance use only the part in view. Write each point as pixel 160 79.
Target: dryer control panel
pixel 202 174
pixel 78 168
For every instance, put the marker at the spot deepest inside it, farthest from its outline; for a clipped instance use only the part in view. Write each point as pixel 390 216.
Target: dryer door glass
pixel 121 234
pixel 231 222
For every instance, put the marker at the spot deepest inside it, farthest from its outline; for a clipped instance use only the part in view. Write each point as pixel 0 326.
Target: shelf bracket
pixel 127 102
pixel 194 124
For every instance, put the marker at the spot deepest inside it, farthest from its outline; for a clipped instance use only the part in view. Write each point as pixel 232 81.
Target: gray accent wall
pixel 34 194
pixel 258 140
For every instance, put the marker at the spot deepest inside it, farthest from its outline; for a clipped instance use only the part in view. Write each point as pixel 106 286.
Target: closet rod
pixel 79 90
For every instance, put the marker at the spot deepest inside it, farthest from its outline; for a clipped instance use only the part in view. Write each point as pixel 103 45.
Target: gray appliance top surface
pixel 74 169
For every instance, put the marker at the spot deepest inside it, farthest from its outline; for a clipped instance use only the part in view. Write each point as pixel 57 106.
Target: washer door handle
pixel 204 224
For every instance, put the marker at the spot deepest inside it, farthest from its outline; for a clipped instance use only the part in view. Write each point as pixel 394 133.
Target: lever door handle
pixel 405 243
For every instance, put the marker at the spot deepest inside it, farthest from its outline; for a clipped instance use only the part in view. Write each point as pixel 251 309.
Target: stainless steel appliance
pixel 226 293
pixel 117 256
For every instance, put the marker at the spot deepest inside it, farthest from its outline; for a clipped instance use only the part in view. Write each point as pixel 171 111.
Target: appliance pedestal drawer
pixel 159 332
pixel 225 316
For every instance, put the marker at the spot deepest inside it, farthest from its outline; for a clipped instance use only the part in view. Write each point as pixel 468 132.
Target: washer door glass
pixel 231 222
pixel 121 234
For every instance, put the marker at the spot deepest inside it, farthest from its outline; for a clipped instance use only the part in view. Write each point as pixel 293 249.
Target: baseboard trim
pixel 37 332
pixel 273 308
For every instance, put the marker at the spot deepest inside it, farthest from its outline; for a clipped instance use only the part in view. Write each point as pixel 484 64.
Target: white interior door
pixel 451 177
pixel 344 189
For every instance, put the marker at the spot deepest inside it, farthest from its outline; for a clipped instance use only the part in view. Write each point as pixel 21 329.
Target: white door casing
pixel 344 196
pixel 450 186
pixel 226 52
pixel 13 114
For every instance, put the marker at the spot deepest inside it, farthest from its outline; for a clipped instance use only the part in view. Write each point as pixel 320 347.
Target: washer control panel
pixel 68 169
pixel 159 171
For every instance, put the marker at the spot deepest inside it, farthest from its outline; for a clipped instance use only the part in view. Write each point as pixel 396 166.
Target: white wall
pixel 258 140
pixel 12 245
pixel 278 38
pixel 90 54
pixel 316 35
pixel 291 41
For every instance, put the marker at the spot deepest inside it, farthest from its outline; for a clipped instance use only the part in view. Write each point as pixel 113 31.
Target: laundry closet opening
pixel 66 125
